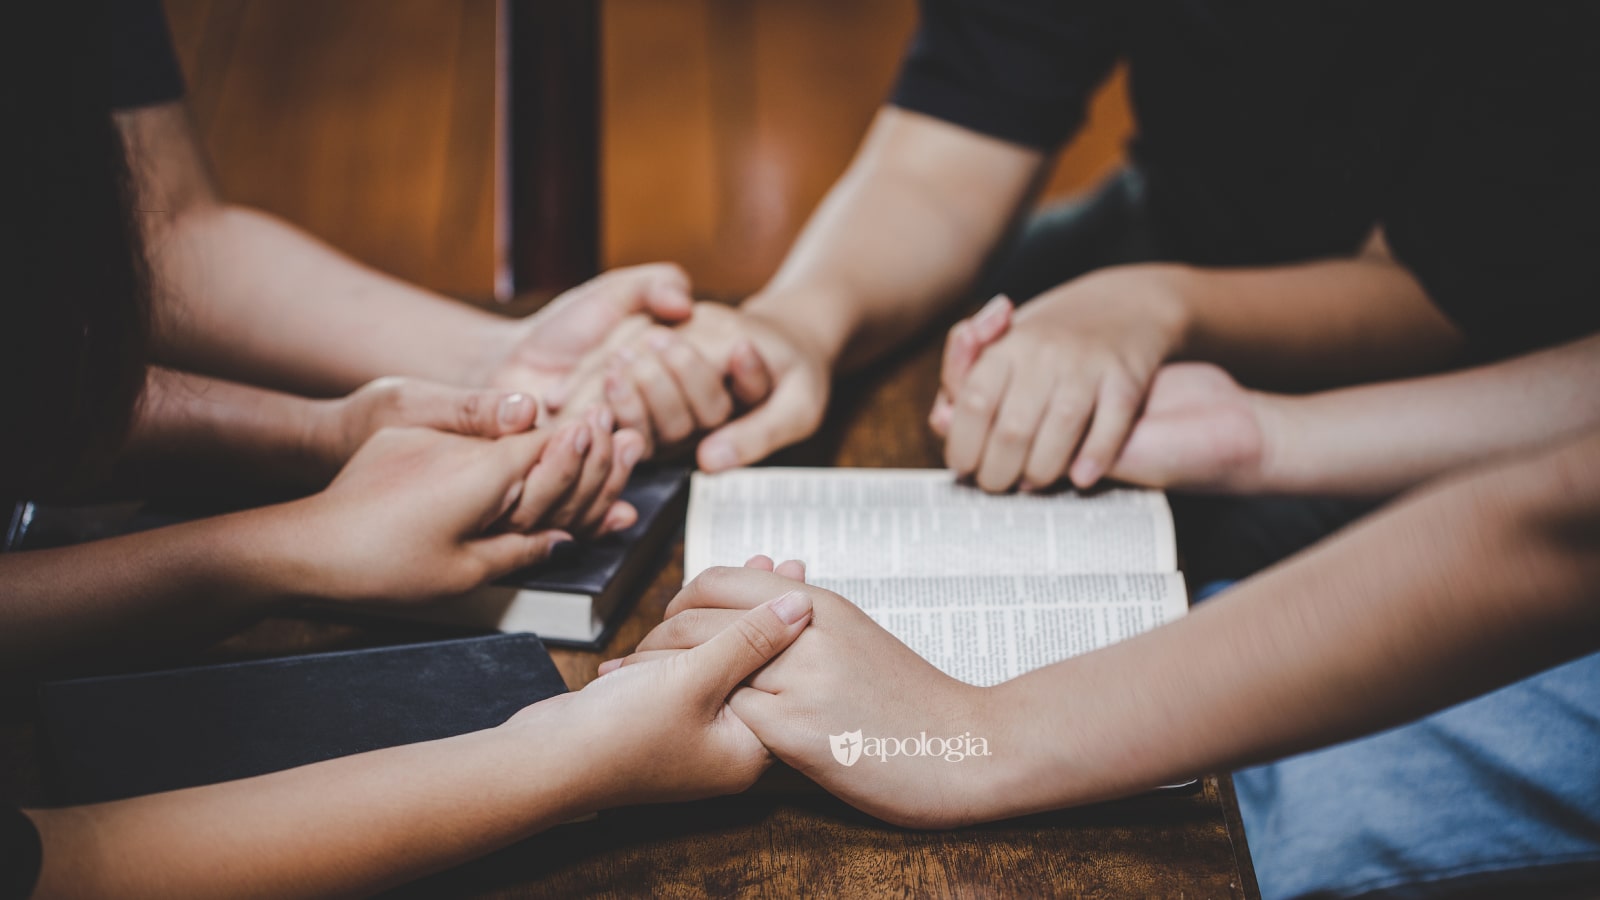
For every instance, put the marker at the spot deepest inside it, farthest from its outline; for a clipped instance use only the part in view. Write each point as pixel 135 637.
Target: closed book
pixel 121 736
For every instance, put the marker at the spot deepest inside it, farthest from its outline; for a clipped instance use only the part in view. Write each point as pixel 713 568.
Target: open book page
pixel 878 523
pixel 987 629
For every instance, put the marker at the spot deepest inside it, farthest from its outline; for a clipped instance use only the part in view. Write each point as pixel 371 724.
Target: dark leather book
pixel 575 600
pixel 126 735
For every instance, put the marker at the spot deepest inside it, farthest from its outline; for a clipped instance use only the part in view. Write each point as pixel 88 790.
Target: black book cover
pixel 123 736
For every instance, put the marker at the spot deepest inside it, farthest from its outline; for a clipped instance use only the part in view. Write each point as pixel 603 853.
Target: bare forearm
pixel 190 427
pixel 354 825
pixel 1321 323
pixel 1467 587
pixel 901 235
pixel 1380 439
pixel 246 296
pixel 257 300
pixel 145 592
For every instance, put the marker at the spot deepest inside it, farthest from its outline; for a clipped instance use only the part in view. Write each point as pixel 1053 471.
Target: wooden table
pixel 787 838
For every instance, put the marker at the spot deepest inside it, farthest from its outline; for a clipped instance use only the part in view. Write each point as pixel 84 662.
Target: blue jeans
pixel 1496 792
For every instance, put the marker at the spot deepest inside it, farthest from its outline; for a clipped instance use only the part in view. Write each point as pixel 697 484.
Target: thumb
pixel 789 415
pixel 669 302
pixel 1151 457
pixel 753 639
pixel 660 289
pixel 473 412
pixel 510 551
pixel 969 338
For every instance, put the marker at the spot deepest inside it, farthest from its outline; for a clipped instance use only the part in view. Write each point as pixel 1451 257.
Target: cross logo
pixel 846 747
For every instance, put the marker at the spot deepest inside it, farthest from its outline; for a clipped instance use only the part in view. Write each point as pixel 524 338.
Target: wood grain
pixel 723 123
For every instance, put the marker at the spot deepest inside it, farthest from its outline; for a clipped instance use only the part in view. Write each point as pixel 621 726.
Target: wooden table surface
pixel 787 838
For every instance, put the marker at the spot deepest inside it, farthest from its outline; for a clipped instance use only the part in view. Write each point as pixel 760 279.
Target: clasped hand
pixel 1073 386
pixel 844 673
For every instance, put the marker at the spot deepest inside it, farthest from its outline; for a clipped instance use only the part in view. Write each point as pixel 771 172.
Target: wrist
pixel 286 553
pixel 1169 291
pixel 819 321
pixel 1044 752
pixel 576 770
pixel 479 347
pixel 322 445
pixel 1281 460
pixel 250 558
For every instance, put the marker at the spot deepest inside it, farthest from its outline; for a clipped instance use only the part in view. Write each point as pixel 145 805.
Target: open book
pixel 984 587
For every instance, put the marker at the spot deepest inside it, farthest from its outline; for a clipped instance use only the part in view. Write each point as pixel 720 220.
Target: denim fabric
pixel 1496 792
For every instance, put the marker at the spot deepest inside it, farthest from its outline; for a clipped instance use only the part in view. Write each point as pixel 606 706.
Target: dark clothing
pixel 20 854
pixel 144 69
pixel 1280 132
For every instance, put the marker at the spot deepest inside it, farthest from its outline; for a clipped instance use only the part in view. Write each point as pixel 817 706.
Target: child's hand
pixel 662 731
pixel 419 514
pixel 1200 431
pixel 1062 386
pixel 845 676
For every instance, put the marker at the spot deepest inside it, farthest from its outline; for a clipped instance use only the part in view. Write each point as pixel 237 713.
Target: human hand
pixel 538 354
pixel 662 731
pixel 671 383
pixel 337 428
pixel 845 676
pixel 1200 431
pixel 1063 384
pixel 419 514
pixel 723 361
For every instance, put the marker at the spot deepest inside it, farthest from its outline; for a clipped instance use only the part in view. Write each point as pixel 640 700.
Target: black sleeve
pixel 144 69
pixel 1019 70
pixel 1496 210
pixel 20 854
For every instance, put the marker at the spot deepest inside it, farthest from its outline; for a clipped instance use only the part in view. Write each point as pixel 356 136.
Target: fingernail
pixel 561 551
pixel 629 454
pixel 1085 473
pixel 717 455
pixel 512 409
pixel 660 341
pixel 580 442
pixel 603 419
pixel 613 386
pixel 609 666
pixel 626 354
pixel 989 319
pixel 792 607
